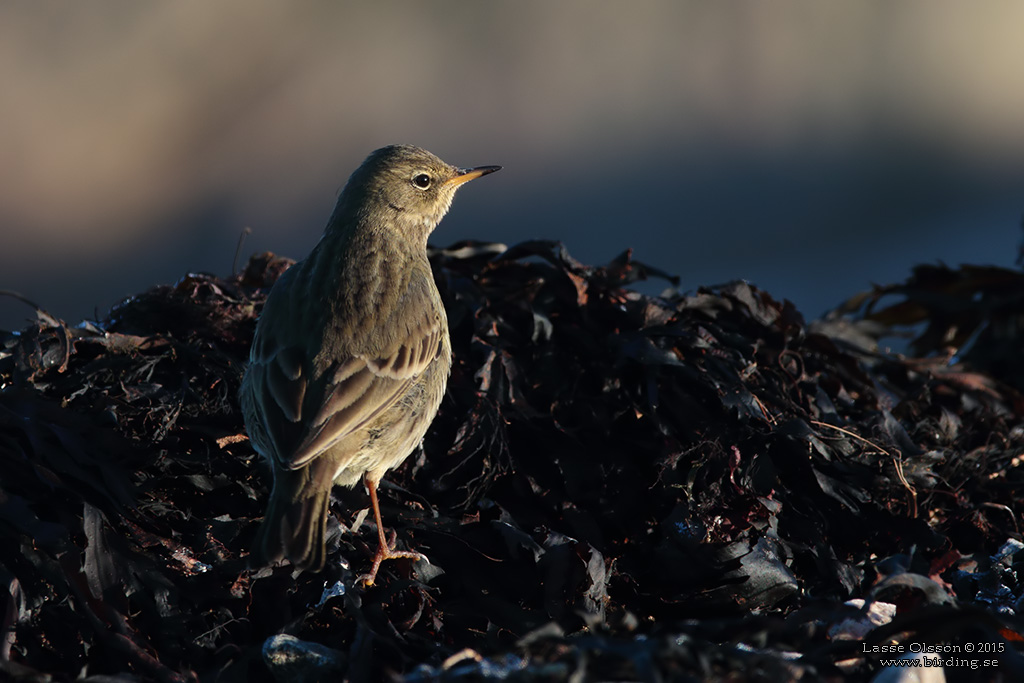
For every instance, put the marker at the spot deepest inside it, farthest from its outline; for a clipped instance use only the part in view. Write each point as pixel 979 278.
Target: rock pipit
pixel 351 354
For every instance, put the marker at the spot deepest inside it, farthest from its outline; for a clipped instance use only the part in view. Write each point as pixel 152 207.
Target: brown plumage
pixel 351 354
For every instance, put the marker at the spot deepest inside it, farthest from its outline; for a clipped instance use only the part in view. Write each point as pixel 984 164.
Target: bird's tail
pixel 296 519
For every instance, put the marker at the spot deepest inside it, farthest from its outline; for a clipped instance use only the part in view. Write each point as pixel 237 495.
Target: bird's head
pixel 405 186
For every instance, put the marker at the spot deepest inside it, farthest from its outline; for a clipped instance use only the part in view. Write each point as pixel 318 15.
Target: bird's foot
pixel 386 551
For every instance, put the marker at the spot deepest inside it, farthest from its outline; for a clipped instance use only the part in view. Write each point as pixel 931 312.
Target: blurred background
pixel 812 148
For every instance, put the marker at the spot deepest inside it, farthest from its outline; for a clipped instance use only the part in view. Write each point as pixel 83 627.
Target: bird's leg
pixel 386 550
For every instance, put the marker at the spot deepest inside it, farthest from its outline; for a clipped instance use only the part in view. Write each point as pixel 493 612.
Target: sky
pixel 811 148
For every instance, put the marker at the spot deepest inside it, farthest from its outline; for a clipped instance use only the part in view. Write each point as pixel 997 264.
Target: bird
pixel 351 354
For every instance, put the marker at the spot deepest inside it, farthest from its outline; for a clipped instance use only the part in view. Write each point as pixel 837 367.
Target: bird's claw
pixel 387 552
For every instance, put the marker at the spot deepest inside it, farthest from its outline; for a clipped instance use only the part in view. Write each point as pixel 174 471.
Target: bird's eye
pixel 421 180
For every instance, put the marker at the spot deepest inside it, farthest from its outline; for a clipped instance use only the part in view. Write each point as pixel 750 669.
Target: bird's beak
pixel 467 174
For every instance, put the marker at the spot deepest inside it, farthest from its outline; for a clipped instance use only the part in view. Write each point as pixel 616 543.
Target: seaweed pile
pixel 618 486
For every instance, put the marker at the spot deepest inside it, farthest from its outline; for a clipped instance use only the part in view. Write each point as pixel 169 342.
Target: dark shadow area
pixel 618 487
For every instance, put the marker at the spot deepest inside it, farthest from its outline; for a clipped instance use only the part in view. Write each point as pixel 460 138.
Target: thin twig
pixel 897 461
pixel 246 231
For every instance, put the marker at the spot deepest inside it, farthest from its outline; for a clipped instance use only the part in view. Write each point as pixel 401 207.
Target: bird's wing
pixel 304 413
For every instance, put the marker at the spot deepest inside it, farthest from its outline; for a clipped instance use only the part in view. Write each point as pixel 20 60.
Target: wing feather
pixel 285 382
pixel 306 412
